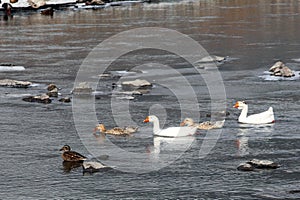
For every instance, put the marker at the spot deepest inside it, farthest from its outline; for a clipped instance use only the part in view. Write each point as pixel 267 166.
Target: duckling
pixel 71 156
pixel 204 125
pixel 116 130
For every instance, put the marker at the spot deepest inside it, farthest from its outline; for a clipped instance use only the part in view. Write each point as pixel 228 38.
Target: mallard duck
pixel 260 118
pixel 171 131
pixel 116 130
pixel 204 125
pixel 71 156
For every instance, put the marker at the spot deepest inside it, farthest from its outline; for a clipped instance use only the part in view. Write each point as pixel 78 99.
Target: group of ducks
pixel 186 128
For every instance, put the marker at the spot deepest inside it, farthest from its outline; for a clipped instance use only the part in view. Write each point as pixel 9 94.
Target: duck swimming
pixel 71 156
pixel 117 130
pixel 202 126
pixel 171 131
pixel 260 118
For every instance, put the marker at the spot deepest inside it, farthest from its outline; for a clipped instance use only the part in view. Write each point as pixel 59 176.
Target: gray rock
pixel 263 164
pixel 65 100
pixel 39 99
pixel 14 83
pixel 82 89
pixel 53 93
pixel 245 167
pixel 280 69
pixel 136 84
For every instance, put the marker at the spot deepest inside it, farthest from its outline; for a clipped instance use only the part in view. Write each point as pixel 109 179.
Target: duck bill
pixel 236 105
pixel 182 124
pixel 146 120
pixel 61 149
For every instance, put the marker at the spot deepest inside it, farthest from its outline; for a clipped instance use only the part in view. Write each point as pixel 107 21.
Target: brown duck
pixel 71 156
pixel 116 131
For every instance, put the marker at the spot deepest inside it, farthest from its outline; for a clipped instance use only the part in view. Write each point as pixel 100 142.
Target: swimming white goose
pixel 260 118
pixel 202 126
pixel 171 131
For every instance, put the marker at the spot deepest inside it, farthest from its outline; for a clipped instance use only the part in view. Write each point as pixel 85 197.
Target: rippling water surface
pixel 253 34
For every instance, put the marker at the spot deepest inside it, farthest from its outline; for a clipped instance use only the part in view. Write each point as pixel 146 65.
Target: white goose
pixel 260 118
pixel 171 131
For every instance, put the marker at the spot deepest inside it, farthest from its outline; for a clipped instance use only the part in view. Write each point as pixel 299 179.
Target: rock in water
pixel 263 164
pixel 39 99
pixel 280 69
pixel 83 88
pixel 14 83
pixel 65 100
pixel 245 167
pixel 136 84
pixel 257 164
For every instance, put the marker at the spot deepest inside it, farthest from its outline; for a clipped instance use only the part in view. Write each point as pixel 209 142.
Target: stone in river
pixel 65 100
pixel 280 69
pixel 263 164
pixel 82 88
pixel 14 83
pixel 136 84
pixel 245 167
pixel 39 99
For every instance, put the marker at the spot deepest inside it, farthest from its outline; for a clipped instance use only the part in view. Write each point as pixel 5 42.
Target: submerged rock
pixel 212 58
pixel 136 84
pixel 280 69
pixel 14 83
pixel 65 100
pixel 39 99
pixel 82 88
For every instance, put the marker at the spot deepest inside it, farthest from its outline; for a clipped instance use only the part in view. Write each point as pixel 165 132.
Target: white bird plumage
pixel 171 131
pixel 260 118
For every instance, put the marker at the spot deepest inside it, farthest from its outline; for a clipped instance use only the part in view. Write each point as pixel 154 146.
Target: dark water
pixel 254 33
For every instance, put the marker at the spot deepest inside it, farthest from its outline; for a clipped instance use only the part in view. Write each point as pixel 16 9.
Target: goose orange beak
pixel 182 124
pixel 146 120
pixel 236 105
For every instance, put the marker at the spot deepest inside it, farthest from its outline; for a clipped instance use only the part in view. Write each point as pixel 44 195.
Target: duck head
pixel 240 105
pixel 187 122
pixel 100 127
pixel 65 148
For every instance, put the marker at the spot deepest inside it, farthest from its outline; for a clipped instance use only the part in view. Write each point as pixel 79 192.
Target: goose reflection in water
pixel 168 147
pixel 246 132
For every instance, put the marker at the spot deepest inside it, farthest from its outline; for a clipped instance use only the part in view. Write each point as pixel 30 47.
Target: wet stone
pixel 136 84
pixel 65 100
pixel 14 83
pixel 280 69
pixel 38 99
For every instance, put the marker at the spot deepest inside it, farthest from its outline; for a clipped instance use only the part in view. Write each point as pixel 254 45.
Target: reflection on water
pixel 68 166
pixel 164 145
pixel 252 132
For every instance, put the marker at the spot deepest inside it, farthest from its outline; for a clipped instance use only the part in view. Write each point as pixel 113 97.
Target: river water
pixel 253 34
